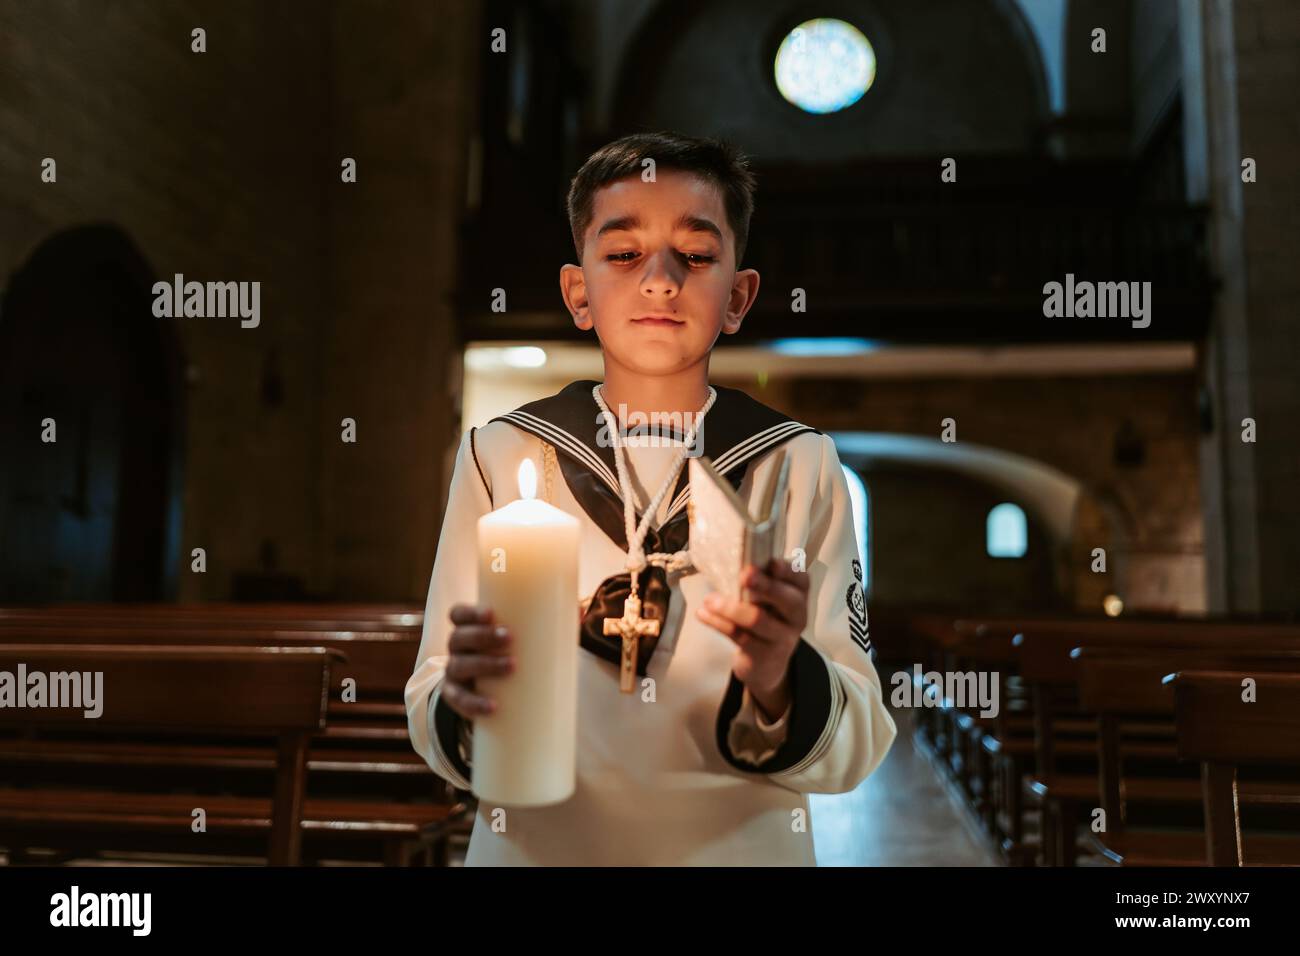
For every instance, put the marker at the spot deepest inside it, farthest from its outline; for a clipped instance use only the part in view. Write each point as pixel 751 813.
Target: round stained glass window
pixel 825 65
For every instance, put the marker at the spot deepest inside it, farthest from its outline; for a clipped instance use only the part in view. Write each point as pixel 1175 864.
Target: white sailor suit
pixel 691 774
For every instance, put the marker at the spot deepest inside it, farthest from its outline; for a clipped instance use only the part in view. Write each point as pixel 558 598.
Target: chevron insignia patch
pixel 857 603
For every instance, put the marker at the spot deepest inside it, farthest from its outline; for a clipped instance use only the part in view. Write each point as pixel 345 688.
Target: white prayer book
pixel 724 536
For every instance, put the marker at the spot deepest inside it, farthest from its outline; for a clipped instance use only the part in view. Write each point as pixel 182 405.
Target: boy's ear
pixel 573 287
pixel 744 290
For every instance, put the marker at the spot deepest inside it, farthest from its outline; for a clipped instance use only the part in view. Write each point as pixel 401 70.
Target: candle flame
pixel 527 479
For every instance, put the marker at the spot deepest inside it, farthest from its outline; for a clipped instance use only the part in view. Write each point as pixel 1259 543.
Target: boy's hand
pixel 766 629
pixel 476 649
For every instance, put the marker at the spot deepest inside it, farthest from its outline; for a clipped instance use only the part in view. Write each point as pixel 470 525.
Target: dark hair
pixel 712 159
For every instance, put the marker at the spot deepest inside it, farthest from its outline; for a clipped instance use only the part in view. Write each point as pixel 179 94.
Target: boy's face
pixel 662 248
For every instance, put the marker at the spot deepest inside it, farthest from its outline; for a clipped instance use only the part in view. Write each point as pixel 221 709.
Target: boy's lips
pixel 660 321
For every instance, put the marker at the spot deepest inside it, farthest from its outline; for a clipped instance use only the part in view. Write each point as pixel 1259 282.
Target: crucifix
pixel 632 626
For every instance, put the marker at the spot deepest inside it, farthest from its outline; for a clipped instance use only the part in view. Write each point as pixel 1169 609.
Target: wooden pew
pixel 362 760
pixel 378 617
pixel 1216 727
pixel 1122 684
pixel 396 623
pixel 379 662
pixel 970 759
pixel 989 757
pixel 908 637
pixel 966 746
pixel 163 690
pixel 1045 662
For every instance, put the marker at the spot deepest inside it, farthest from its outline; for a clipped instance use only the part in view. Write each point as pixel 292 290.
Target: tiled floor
pixel 902 815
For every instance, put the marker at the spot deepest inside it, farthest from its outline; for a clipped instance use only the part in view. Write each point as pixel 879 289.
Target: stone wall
pixel 225 165
pixel 1152 529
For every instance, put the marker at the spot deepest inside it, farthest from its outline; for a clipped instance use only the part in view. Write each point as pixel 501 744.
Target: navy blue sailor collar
pixel 736 430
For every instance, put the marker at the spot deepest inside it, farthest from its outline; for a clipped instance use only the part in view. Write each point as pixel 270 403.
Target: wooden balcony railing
pixel 891 255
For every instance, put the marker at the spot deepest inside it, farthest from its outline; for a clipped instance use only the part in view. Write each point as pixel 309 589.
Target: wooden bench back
pixel 1121 681
pixel 1128 680
pixel 330 617
pixel 1215 724
pixel 1045 652
pixel 231 689
pixel 1045 660
pixel 380 663
pixel 167 689
pixel 1220 729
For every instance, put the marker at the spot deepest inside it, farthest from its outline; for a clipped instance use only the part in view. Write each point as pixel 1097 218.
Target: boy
pixel 740 708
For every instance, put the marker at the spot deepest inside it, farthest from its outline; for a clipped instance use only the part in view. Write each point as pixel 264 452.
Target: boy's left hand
pixel 766 629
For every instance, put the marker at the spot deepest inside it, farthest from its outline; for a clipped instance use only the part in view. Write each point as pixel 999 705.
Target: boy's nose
pixel 661 275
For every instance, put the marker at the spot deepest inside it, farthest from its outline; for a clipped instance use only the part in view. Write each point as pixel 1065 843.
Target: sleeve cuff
pixel 451 735
pixel 776 726
pixel 816 701
pixel 750 737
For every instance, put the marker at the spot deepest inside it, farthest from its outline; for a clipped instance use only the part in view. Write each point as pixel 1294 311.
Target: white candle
pixel 523 754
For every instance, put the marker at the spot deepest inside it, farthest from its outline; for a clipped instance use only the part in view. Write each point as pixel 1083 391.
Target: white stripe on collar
pixel 731 458
pixel 749 448
pixel 566 440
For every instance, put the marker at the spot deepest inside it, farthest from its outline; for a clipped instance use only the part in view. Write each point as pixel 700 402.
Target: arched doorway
pixel 95 513
pixel 932 530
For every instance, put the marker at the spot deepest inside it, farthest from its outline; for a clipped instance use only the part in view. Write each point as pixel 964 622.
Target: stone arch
pixel 1047 495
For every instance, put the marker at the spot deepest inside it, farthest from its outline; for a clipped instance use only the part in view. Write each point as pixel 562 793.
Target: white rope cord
pixel 636 556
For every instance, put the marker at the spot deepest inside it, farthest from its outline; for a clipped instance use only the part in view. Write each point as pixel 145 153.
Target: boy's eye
pixel 694 258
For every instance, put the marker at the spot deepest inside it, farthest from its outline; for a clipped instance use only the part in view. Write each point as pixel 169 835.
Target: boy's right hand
pixel 476 649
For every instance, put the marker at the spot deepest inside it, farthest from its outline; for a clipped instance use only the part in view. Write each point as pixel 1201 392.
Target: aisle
pixel 901 815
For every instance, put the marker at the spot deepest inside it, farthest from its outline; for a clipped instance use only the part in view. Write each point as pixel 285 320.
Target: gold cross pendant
pixel 631 626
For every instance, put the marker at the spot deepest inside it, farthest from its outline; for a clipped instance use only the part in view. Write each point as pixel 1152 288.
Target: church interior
pixel 1029 263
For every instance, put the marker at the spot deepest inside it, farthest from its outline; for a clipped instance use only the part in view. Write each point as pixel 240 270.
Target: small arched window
pixel 1006 532
pixel 860 501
